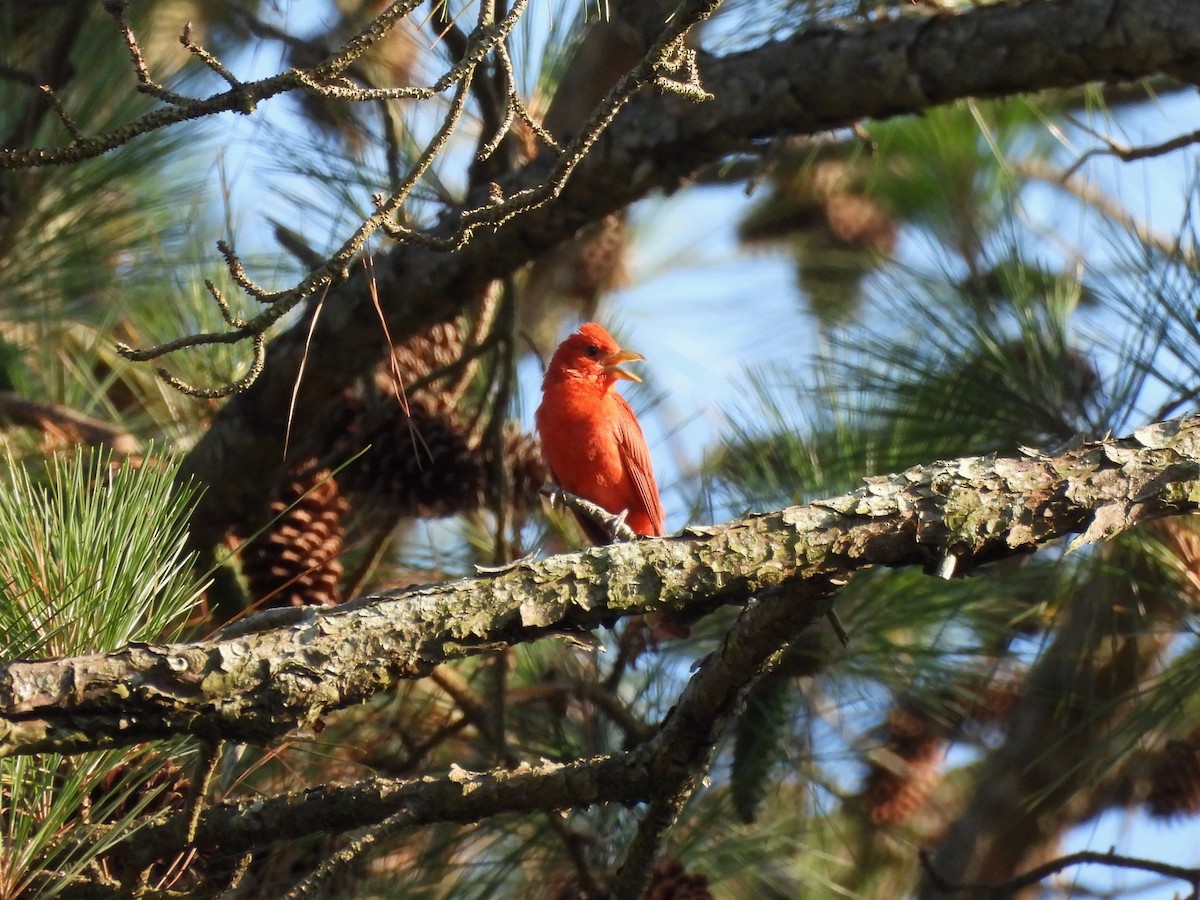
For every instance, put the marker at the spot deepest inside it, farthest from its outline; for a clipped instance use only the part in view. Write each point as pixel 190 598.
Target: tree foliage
pixel 345 648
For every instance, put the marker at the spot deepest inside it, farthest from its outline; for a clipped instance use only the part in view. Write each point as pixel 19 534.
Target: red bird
pixel 591 440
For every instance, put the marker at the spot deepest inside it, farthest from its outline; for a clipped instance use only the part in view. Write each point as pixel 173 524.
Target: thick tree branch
pixel 258 685
pixel 661 766
pixel 807 84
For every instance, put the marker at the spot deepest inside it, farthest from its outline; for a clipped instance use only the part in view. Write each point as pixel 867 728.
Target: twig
pixel 1094 197
pixel 61 111
pixel 147 85
pixel 634 873
pixel 238 273
pixel 495 211
pixel 209 760
pixel 336 862
pixel 491 106
pixel 614 525
pixel 334 269
pixel 496 214
pixel 252 372
pixel 1011 886
pixel 1126 153
pixel 65 421
pixel 518 106
pixel 182 109
pixel 208 59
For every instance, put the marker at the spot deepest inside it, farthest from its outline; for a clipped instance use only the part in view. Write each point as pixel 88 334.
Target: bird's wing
pixel 636 457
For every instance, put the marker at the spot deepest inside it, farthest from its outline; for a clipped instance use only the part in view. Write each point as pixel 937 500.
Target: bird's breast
pixel 579 441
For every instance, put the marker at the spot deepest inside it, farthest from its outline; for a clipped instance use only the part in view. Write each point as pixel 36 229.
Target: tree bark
pixel 255 685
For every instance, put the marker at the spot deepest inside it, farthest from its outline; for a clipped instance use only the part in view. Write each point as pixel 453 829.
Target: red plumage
pixel 591 440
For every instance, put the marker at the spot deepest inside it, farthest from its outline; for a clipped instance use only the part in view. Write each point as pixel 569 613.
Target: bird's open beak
pixel 612 364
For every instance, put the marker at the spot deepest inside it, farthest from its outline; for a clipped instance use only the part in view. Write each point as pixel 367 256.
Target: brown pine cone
pixel 297 561
pixel 1175 780
pixel 436 347
pixel 893 791
pixel 671 881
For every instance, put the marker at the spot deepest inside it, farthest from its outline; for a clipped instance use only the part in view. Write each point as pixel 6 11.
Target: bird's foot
pixel 617 529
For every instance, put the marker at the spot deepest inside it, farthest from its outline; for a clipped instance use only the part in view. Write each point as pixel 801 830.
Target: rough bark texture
pixel 256 685
pixel 806 84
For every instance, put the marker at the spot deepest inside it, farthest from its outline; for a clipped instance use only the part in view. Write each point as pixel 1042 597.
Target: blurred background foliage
pixel 954 289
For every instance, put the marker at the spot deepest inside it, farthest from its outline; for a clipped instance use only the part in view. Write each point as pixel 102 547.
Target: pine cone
pixel 168 784
pixel 856 220
pixel 671 881
pixel 1175 780
pixel 524 468
pixel 424 466
pixel 894 793
pixel 584 268
pixel 995 700
pixel 427 351
pixel 297 562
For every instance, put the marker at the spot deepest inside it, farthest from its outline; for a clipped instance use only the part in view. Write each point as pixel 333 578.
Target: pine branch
pixel 258 685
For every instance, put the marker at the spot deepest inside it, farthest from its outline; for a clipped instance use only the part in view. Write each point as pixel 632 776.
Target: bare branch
pixel 1012 886
pixel 1129 154
pixel 335 268
pixel 61 111
pixel 676 753
pixel 207 58
pixel 61 420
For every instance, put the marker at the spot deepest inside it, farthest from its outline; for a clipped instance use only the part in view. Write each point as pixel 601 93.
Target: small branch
pixel 606 521
pixel 315 883
pixel 633 875
pixel 66 422
pixel 362 94
pixel 61 112
pixel 1129 154
pixel 517 105
pixel 118 9
pixel 226 390
pixel 208 59
pixel 1012 886
pixel 665 766
pixel 335 268
pixel 1092 196
pixel 503 209
pixel 365 39
pixel 238 273
pixel 242 98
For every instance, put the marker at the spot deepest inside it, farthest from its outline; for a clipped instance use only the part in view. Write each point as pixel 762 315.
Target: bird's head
pixel 591 354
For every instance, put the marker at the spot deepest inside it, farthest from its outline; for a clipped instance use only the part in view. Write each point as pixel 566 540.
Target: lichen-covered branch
pixel 257 685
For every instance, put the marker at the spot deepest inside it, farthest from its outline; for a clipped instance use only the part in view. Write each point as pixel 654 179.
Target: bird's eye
pixel 592 350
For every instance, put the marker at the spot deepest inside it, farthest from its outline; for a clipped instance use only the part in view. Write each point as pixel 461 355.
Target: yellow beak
pixel 612 364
